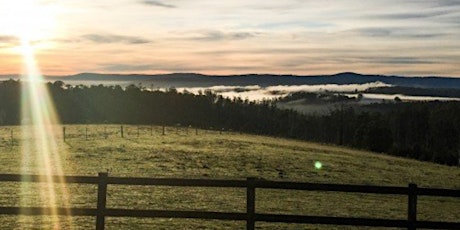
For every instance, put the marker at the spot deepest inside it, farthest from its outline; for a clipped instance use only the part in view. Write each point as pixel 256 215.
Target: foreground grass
pixel 184 154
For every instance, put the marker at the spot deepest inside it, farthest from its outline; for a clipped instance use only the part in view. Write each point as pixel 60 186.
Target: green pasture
pixel 189 153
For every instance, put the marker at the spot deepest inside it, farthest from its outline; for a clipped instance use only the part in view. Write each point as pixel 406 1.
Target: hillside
pixel 264 80
pixel 184 154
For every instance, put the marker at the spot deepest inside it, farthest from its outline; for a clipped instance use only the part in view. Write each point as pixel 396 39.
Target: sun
pixel 28 20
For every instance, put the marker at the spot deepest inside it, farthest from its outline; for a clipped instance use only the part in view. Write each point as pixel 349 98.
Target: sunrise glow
pixel 234 37
pixel 28 19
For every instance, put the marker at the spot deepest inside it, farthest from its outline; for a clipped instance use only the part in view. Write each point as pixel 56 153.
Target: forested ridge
pixel 428 131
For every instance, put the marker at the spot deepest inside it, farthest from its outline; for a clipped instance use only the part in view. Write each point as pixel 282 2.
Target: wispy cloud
pixel 447 3
pixel 109 38
pixel 399 60
pixel 5 39
pixel 8 41
pixel 126 67
pixel 169 66
pixel 412 15
pixel 393 61
pixel 216 35
pixel 157 3
pixel 397 32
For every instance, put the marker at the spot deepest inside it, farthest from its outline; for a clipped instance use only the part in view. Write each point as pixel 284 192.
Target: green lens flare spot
pixel 318 165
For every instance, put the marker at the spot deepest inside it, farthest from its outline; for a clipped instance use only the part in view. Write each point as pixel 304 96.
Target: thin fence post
pixel 151 130
pixel 12 137
pixel 63 133
pixel 250 203
pixel 138 131
pixel 101 200
pixel 412 207
pixel 163 132
pixel 196 131
pixel 86 133
pixel 105 133
pixel 121 131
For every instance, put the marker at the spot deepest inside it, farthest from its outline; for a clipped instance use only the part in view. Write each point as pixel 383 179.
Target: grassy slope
pixel 211 155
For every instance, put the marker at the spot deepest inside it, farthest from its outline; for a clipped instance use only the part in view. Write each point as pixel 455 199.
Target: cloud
pixel 216 35
pixel 66 40
pixel 401 60
pixel 109 38
pixel 157 3
pixel 411 15
pixel 126 67
pixel 170 66
pixel 450 3
pixel 276 6
pixel 396 32
pixel 296 24
pixel 8 41
pixel 373 32
pixel 391 60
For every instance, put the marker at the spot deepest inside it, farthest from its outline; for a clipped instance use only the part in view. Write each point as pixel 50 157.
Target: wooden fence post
pixel 63 133
pixel 86 133
pixel 12 137
pixel 196 131
pixel 138 131
pixel 121 131
pixel 151 130
pixel 250 203
pixel 163 130
pixel 412 207
pixel 101 200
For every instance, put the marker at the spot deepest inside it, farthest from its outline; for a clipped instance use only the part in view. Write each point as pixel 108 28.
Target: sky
pixel 302 37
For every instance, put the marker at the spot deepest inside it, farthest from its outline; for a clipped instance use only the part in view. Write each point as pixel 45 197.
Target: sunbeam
pixel 40 149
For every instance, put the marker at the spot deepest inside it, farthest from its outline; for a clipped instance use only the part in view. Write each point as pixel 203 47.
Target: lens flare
pixel 40 151
pixel 318 165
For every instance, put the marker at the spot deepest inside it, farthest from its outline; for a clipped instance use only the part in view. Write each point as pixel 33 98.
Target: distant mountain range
pixel 199 80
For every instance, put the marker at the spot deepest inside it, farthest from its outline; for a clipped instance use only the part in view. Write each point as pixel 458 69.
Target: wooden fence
pixel 250 216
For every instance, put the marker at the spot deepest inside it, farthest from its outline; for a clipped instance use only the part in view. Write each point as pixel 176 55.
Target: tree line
pixel 428 131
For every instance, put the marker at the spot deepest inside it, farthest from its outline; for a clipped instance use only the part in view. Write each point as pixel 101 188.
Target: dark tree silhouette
pixel 427 131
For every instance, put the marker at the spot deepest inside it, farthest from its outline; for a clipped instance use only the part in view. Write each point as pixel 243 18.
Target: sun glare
pixel 40 152
pixel 29 20
pixel 38 124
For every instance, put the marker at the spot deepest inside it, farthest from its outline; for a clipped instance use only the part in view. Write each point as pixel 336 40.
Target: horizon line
pixel 235 75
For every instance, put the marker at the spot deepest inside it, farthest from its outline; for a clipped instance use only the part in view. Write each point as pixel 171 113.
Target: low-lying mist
pixel 258 93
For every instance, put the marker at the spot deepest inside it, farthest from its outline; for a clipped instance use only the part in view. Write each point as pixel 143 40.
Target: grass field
pixel 183 153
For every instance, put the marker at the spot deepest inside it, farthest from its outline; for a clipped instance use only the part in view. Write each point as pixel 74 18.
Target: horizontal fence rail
pixel 250 216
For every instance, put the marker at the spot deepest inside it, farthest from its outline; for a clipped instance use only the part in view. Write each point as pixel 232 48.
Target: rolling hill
pixel 210 154
pixel 264 80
